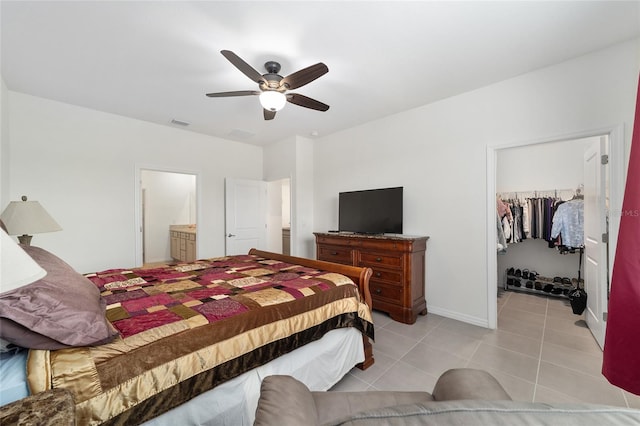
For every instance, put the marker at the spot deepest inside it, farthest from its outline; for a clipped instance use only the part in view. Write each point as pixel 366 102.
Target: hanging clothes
pixel 528 218
pixel 568 223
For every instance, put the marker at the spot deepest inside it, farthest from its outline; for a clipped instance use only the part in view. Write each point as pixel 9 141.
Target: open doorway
pixel 279 217
pixel 168 216
pixel 611 194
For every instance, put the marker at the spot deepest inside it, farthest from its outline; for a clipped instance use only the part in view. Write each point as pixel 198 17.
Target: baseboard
pixel 481 322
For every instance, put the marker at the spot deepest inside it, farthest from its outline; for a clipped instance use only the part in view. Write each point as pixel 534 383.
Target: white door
pixel 595 255
pixel 245 215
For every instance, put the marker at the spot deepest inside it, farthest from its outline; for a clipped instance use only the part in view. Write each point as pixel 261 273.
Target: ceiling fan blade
pixel 234 93
pixel 306 102
pixel 246 69
pixel 304 76
pixel 268 114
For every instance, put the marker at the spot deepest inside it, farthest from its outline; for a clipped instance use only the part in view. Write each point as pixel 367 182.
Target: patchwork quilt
pixel 187 327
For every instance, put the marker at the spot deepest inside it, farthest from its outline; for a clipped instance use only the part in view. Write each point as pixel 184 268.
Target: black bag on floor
pixel 578 299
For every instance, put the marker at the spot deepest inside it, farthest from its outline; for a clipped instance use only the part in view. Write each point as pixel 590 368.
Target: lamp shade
pixel 27 217
pixel 17 268
pixel 272 100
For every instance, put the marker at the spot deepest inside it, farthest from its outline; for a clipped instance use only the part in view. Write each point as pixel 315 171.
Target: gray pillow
pixel 60 310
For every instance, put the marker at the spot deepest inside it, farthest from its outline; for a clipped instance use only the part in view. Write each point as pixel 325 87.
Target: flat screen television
pixel 374 211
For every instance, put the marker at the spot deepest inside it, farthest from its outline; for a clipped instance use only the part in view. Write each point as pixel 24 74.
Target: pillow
pixel 60 310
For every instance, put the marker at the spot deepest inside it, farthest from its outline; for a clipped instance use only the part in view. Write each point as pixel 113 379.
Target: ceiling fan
pixel 273 87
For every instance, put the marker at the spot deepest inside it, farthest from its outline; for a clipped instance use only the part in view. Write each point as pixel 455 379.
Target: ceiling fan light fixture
pixel 272 100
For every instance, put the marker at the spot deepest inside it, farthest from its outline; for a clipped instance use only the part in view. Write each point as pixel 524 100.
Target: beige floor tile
pixel 528 298
pixel 560 303
pixel 565 369
pixel 586 344
pixel 565 312
pixel 454 343
pixel 582 386
pixel 576 327
pixel 633 401
pixel 350 383
pixel 521 327
pixel 562 356
pixel 380 366
pixel 550 396
pixel 429 359
pixel 392 344
pixel 380 319
pixel 465 329
pixel 416 331
pixel 402 376
pixel 520 316
pixel 514 341
pixel 509 362
pixel 527 307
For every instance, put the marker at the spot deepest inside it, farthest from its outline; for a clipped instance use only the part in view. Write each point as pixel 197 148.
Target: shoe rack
pixel 531 282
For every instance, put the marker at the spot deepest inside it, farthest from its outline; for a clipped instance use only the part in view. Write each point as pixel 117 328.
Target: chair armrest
pixel 468 383
pixel 284 401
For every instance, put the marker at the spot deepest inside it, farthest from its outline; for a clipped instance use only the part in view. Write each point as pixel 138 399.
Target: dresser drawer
pixel 335 254
pixel 387 260
pixel 394 277
pixel 386 292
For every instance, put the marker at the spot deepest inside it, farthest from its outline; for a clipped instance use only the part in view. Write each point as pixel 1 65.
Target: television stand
pixel 398 263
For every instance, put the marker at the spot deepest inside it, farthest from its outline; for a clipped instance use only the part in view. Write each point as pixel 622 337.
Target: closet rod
pixel 536 193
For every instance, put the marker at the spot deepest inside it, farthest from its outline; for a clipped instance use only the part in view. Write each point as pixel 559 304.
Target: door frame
pixel 138 203
pixel 616 192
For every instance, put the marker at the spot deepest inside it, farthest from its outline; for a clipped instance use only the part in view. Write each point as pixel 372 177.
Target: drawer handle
pixel 334 253
pixel 378 259
pixel 378 290
pixel 378 274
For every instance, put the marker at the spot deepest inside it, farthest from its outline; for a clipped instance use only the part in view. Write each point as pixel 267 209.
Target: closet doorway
pixel 558 168
pixel 167 202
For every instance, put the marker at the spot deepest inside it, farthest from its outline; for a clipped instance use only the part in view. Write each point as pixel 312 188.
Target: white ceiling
pixel 155 60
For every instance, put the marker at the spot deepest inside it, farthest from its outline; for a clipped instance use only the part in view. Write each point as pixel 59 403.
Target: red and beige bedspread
pixel 186 328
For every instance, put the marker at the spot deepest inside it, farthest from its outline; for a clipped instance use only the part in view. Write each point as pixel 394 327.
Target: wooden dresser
pixel 398 263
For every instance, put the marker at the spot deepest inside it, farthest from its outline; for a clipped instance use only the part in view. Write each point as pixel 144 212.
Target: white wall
pixel 438 153
pixel 4 145
pixel 170 199
pixel 274 216
pixel 293 157
pixel 286 203
pixel 81 165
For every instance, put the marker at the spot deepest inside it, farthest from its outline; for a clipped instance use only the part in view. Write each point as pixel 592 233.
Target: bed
pixel 189 343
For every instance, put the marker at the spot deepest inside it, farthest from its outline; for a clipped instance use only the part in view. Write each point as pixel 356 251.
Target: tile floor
pixel 540 352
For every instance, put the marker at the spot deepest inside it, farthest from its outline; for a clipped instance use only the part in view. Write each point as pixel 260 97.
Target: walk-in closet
pixel 534 183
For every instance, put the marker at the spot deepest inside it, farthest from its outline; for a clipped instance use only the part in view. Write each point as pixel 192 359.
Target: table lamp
pixel 27 217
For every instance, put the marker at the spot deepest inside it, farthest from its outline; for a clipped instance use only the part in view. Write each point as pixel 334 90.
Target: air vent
pixel 240 134
pixel 179 122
